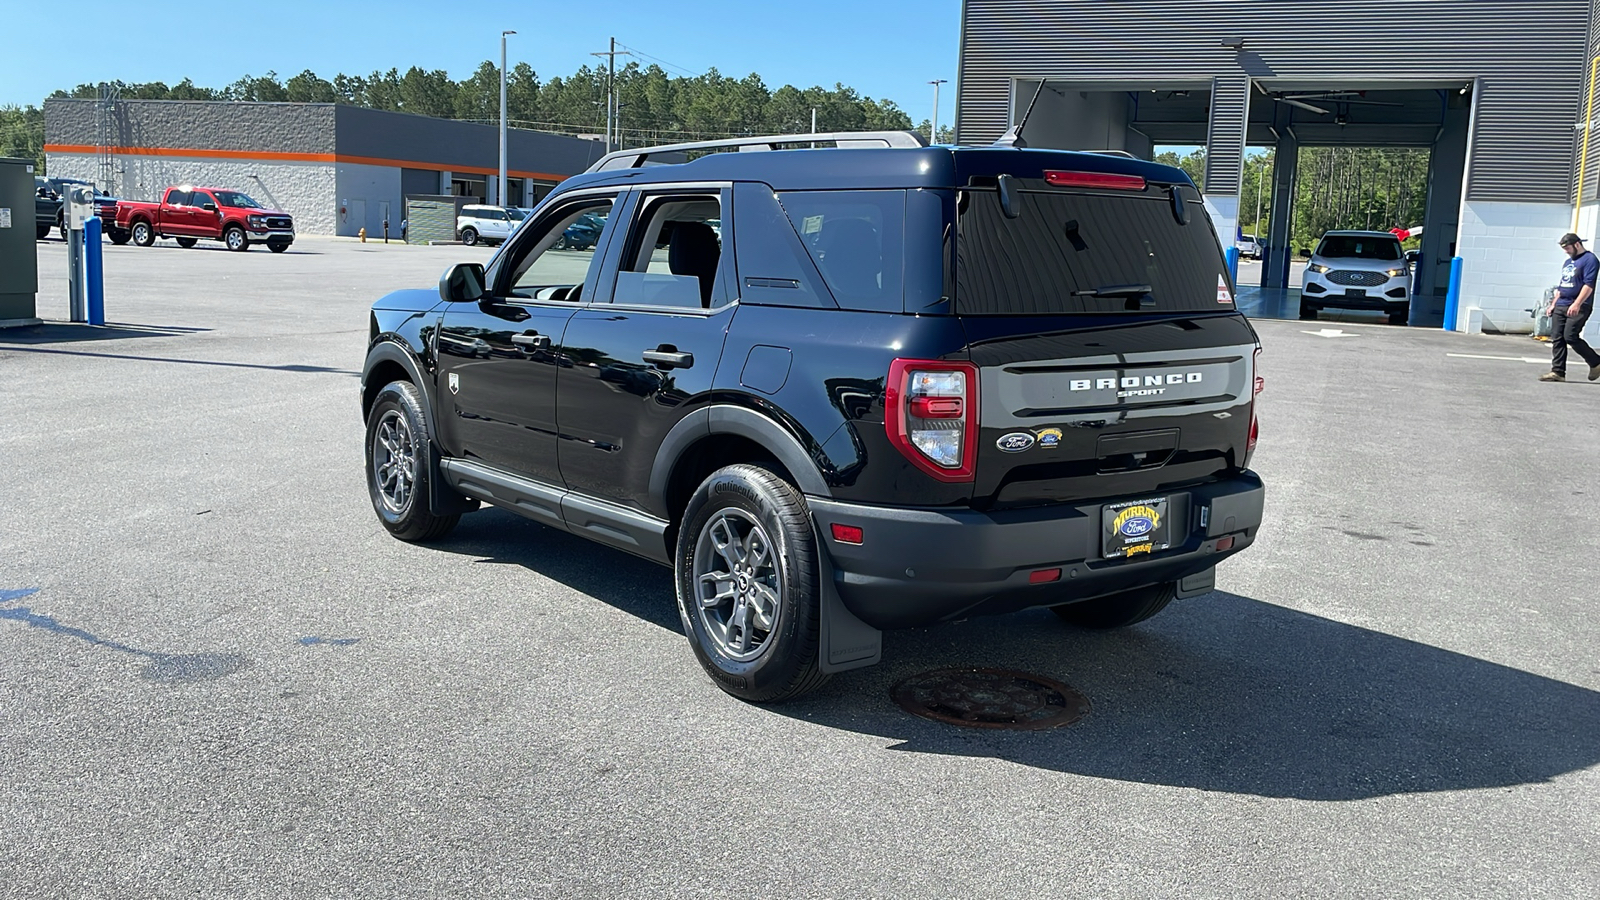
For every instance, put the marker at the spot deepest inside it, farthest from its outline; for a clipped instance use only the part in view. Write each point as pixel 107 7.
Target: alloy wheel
pixel 738 582
pixel 394 461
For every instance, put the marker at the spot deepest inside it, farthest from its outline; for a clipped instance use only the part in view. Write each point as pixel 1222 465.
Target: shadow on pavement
pixel 62 333
pixel 291 367
pixel 1218 693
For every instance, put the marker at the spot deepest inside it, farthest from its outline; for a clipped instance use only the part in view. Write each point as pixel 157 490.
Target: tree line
pixel 654 106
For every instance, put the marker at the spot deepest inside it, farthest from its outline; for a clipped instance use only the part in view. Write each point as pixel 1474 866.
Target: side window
pixel 555 264
pixel 674 255
pixel 857 239
pixel 176 197
pixel 200 198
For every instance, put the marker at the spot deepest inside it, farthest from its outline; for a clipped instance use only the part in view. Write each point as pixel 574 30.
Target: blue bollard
pixel 94 287
pixel 1233 264
pixel 1452 300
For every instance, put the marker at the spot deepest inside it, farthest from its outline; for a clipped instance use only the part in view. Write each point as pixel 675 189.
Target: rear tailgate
pixel 1112 363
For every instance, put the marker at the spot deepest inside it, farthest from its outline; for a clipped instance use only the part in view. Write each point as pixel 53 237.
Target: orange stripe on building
pixel 276 156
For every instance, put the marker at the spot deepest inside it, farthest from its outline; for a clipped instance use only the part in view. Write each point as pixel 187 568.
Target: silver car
pixel 1363 270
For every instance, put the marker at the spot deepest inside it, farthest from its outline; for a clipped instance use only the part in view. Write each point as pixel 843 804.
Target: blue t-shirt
pixel 1574 275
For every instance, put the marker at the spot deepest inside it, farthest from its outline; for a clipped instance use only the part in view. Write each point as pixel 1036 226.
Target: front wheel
pixel 1399 318
pixel 143 234
pixel 186 243
pixel 397 465
pixel 235 239
pixel 746 573
pixel 277 246
pixel 469 236
pixel 1307 311
pixel 1118 610
pixel 41 231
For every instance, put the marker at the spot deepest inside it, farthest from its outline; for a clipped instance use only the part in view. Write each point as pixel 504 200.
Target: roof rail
pixel 845 140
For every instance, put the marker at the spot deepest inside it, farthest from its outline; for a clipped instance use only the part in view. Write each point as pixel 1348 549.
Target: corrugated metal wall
pixel 1530 54
pixel 1230 105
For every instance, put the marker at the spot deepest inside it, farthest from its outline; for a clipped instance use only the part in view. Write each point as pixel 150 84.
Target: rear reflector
pixel 1044 576
pixel 1095 180
pixel 847 534
pixel 1225 544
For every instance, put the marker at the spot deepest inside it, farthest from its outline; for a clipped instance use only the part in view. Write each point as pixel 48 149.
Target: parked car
pixel 583 232
pixel 46 208
pixel 191 214
pixel 798 433
pixel 489 224
pixel 1363 270
pixel 1250 247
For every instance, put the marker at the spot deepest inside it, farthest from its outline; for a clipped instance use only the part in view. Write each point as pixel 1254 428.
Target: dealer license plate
pixel 1135 527
pixel 1355 292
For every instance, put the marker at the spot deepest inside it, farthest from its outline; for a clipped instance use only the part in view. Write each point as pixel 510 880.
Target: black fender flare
pixel 392 349
pixel 725 418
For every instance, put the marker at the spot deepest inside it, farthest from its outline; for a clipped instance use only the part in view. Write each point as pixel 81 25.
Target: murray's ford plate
pixel 1135 527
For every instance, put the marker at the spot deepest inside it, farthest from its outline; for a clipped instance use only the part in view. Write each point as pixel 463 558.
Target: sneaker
pixel 1552 376
pixel 1594 373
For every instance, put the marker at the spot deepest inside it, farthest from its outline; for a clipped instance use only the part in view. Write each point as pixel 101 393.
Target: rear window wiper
pixel 1138 295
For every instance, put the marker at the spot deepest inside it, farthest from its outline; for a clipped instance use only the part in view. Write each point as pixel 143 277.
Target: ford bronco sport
pixel 867 386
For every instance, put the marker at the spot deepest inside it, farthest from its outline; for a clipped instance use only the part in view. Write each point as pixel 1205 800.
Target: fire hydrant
pixel 362 234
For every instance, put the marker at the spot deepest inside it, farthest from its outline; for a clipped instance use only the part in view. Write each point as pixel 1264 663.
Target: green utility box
pixel 19 257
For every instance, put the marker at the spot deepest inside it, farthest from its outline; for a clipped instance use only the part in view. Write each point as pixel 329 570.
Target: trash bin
pixel 19 257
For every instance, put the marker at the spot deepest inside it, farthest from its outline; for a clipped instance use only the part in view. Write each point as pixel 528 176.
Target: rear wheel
pixel 42 231
pixel 1307 311
pixel 469 236
pixel 186 243
pixel 1118 610
pixel 235 238
pixel 746 571
pixel 398 466
pixel 143 234
pixel 118 237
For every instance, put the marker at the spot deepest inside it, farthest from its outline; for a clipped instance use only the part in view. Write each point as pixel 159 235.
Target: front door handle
pixel 669 359
pixel 531 340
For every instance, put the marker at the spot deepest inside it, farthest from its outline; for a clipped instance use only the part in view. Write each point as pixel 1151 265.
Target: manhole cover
pixel 991 698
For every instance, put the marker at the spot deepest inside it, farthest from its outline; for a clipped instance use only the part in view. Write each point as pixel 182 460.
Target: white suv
pixel 1358 270
pixel 492 224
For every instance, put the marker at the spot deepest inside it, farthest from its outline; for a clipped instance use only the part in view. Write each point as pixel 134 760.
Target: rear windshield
pixel 1349 246
pixel 1085 253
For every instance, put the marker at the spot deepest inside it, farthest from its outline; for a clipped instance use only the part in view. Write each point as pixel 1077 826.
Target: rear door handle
pixel 531 340
pixel 669 359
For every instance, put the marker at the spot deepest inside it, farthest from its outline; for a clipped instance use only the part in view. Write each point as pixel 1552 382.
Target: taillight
pixel 931 413
pixel 1095 180
pixel 1255 424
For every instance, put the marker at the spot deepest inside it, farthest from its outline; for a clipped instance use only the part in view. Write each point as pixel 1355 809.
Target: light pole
pixel 933 123
pixel 502 191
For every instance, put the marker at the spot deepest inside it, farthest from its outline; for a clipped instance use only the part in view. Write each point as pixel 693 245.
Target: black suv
pixel 865 386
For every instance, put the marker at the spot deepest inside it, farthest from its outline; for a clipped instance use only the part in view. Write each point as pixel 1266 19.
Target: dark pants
pixel 1567 331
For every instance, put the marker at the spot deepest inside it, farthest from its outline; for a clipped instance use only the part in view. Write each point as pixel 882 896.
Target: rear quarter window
pixel 1065 252
pixel 857 240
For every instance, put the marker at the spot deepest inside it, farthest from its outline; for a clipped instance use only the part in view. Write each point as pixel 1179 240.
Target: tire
pixel 41 232
pixel 1307 312
pixel 398 467
pixel 143 234
pixel 1399 318
pixel 186 243
pixel 118 237
pixel 561 243
pixel 1118 610
pixel 277 246
pixel 235 238
pixel 759 520
pixel 469 236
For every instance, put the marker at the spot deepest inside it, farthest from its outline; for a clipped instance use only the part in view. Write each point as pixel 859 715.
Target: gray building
pixel 336 168
pixel 1495 89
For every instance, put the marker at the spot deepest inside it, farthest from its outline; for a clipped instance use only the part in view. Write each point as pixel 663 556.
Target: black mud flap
pixel 443 500
pixel 1198 583
pixel 844 641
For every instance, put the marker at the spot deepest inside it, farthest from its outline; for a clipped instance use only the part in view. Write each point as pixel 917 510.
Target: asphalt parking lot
pixel 220 677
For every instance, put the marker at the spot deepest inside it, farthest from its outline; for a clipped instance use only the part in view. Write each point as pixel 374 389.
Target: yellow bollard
pixel 362 234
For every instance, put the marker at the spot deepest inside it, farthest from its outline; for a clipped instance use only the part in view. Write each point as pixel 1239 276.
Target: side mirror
pixel 462 283
pixel 1411 255
pixel 1305 253
pixel 209 207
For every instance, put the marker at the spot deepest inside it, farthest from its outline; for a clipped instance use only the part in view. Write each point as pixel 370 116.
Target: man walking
pixel 1569 310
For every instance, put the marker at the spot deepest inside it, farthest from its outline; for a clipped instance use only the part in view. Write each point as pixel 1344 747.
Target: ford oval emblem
pixel 1137 526
pixel 1015 442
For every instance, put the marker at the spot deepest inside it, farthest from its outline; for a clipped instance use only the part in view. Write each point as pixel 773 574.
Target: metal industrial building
pixel 336 168
pixel 1494 88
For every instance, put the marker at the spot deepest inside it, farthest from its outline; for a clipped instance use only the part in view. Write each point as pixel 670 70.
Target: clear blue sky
pixel 888 49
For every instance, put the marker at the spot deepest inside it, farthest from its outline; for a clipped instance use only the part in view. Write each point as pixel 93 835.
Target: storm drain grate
pixel 991 698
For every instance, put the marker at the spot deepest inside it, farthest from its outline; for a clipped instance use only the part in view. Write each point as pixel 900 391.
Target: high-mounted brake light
pixel 1095 180
pixel 931 415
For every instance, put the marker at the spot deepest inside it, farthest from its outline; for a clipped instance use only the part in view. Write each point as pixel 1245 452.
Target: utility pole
pixel 611 80
pixel 933 123
pixel 502 191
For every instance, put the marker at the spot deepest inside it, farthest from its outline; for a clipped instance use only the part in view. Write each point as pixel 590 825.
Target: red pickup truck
pixel 189 214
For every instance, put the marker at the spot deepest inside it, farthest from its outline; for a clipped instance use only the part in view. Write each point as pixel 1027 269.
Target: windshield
pixel 1350 246
pixel 234 198
pixel 1085 253
pixel 517 215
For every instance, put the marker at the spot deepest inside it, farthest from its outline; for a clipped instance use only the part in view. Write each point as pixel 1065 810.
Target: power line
pixel 664 64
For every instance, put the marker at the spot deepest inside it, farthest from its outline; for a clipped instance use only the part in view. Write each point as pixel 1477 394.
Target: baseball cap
pixel 1569 239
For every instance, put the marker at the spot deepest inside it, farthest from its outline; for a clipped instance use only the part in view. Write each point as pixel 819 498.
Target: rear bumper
pixel 918 566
